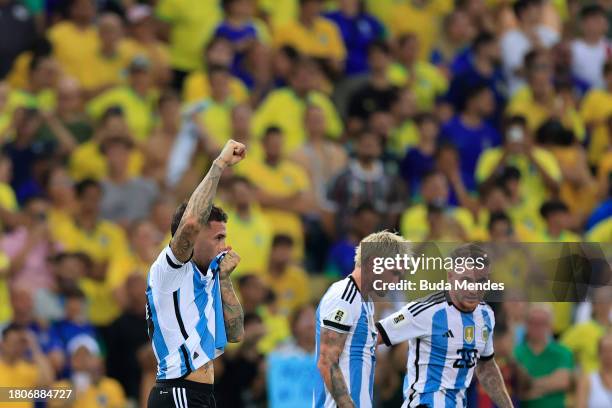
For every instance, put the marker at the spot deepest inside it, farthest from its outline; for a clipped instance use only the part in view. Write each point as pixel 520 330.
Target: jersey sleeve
pixel 405 324
pixel 338 314
pixel 167 271
pixel 489 318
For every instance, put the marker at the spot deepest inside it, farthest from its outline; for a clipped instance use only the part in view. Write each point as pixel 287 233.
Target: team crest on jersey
pixel 339 315
pixel 468 334
pixel 398 318
pixel 485 334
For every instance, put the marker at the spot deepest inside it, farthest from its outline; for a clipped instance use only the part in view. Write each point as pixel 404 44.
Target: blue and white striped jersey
pixel 184 315
pixel 342 309
pixel 445 345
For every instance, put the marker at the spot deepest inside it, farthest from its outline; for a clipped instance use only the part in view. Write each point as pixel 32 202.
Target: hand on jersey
pixel 228 264
pixel 233 152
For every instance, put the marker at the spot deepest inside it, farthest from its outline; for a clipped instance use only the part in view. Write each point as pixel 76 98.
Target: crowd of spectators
pixel 465 120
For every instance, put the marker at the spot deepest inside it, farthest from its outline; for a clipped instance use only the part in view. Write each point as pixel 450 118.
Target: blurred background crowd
pixel 465 120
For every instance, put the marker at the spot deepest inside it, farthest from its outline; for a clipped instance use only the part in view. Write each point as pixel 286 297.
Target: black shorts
pixel 180 393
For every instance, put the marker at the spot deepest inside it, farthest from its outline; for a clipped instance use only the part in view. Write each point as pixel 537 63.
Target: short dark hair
pixel 282 240
pixel 483 38
pixel 84 185
pixel 216 214
pixel 472 93
pixel 13 327
pixel 271 130
pixel 496 217
pixel 591 10
pixel 522 5
pixel 74 293
pixel 552 206
pixel 379 45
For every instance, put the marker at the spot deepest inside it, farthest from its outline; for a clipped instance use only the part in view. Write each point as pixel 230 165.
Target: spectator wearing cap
pixel 283 189
pixel 538 168
pixel 30 245
pixel 188 25
pixel 91 388
pixel 590 52
pixel 359 30
pixel 124 198
pixel 288 281
pixel 313 35
pixel 143 39
pixel 137 99
pixel 217 52
pixel 424 79
pixel 17 24
pixel 529 34
pixel 88 161
pixel 471 133
pixel 249 229
pixel 540 100
pixel 596 111
pixel 292 101
pixel 547 362
pixel 75 39
pixel 22 362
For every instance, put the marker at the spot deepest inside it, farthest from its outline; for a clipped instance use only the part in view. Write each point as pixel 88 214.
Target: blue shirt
pixel 603 211
pixel 470 142
pixel 234 35
pixel 414 166
pixel 357 34
pixel 341 259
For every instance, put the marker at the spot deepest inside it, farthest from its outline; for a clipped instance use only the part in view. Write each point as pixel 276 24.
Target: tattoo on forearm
pixel 232 312
pixel 339 390
pixel 492 381
pixel 199 205
pixel 332 344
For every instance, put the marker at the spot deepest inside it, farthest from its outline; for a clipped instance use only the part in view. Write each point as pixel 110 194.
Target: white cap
pixel 83 340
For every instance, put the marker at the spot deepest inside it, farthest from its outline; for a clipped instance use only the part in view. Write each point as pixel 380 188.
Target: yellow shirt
pixel 191 24
pixel 108 393
pixel 197 87
pixel 44 100
pixel 217 120
pixel 414 226
pixel 18 76
pixel 386 10
pixel 74 47
pixel 322 40
pixel 280 12
pixel 425 80
pixel 404 136
pixel 596 108
pixel 138 111
pixel 522 103
pixel 583 339
pixel 106 241
pixel 532 186
pixel 87 161
pixel 100 71
pixel 8 201
pixel 277 330
pixel 291 288
pixel 6 311
pixel 284 180
pixel 251 239
pixel 292 118
pixel 20 375
pixel 121 267
pixel 601 232
pixel 102 306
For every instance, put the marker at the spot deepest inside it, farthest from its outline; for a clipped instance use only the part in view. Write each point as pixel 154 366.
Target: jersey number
pixel 467 358
pixel 150 325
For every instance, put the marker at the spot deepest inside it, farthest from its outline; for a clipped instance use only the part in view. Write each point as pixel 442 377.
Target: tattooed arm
pixel 332 344
pixel 201 201
pixel 232 310
pixel 493 383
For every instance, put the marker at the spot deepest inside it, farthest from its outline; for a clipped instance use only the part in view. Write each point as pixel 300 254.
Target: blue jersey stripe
pixel 487 320
pixel 319 388
pixel 437 356
pixel 220 334
pixel 450 399
pixel 360 337
pixel 467 320
pixel 158 339
pixel 201 300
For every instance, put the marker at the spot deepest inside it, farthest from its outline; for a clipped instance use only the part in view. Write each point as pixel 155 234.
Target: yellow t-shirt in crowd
pixel 532 185
pixel 23 374
pixel 217 120
pixel 277 330
pixel 44 100
pixel 106 241
pixel 601 232
pixel 522 103
pixel 280 12
pixel 404 136
pixel 251 239
pixel 138 111
pixel 102 306
pixel 414 225
pixel 107 393
pixel 6 311
pixel 291 121
pixel 583 340
pixel 100 70
pixel 191 24
pixel 197 86
pixel 291 288
pixel 425 80
pixel 87 161
pixel 595 109
pixel 386 10
pixel 74 47
pixel 121 267
pixel 322 40
pixel 284 180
